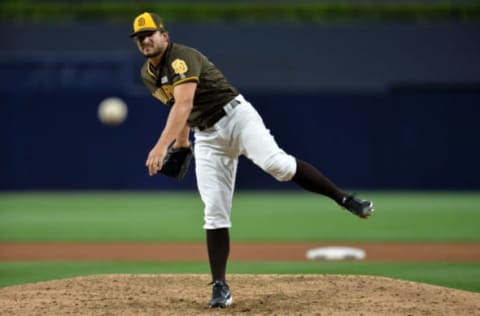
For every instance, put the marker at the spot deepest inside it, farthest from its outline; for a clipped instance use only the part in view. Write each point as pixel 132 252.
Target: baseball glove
pixel 176 162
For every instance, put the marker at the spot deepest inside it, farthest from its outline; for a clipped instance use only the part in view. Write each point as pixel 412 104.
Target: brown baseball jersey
pixel 184 64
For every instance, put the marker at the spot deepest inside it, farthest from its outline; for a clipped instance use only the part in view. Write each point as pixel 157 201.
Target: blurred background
pixel 377 94
pixel 382 96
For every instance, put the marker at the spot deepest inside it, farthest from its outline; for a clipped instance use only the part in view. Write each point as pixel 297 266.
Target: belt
pixel 215 117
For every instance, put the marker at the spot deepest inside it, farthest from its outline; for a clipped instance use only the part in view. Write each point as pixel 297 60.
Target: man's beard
pixel 155 53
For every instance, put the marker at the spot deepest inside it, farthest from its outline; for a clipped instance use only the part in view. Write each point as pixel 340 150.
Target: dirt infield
pixel 253 295
pixel 417 252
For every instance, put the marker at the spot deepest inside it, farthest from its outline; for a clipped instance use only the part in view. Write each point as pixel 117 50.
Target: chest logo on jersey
pixel 179 66
pixel 164 94
pixel 164 79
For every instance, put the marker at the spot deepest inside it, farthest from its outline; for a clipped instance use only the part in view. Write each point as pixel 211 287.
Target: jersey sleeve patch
pixel 179 66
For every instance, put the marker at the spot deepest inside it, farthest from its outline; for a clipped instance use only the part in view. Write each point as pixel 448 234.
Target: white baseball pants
pixel 240 132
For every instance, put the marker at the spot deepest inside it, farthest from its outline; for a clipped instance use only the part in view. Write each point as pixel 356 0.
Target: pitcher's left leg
pixel 216 171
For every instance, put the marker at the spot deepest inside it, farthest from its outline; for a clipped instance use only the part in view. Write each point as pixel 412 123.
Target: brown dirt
pixel 418 252
pixel 253 295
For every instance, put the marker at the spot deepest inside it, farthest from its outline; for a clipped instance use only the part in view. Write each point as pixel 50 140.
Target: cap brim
pixel 145 30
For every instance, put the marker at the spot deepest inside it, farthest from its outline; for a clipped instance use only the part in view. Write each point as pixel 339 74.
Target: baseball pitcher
pixel 225 126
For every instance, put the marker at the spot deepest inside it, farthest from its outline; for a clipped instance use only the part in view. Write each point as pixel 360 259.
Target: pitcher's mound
pixel 253 294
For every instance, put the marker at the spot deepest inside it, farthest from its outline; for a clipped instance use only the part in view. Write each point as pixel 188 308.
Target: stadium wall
pixel 373 105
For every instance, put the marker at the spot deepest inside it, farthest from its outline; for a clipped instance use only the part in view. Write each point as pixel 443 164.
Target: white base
pixel 336 253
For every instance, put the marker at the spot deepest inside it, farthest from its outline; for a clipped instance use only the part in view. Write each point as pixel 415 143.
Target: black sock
pixel 309 178
pixel 218 246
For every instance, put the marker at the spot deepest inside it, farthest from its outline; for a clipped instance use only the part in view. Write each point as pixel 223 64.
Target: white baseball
pixel 112 111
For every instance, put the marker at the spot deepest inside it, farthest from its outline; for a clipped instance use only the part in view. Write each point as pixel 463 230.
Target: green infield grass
pixel 464 276
pixel 281 216
pixel 262 216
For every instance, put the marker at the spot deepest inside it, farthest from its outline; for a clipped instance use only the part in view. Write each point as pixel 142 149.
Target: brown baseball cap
pixel 147 22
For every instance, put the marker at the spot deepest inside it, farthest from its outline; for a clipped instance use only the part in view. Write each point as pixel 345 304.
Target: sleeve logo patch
pixel 179 66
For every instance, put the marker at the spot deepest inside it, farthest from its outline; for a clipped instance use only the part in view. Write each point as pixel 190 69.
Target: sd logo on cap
pixel 147 22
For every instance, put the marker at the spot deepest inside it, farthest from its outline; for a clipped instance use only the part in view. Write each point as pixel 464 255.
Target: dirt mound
pixel 253 295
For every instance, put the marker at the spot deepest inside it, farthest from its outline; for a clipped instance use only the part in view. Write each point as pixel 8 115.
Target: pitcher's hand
pixel 155 160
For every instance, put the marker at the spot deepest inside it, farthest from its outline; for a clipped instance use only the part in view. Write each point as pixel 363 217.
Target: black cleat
pixel 221 296
pixel 361 208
